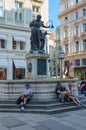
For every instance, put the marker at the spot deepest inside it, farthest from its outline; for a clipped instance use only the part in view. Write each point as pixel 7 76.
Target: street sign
pixel 61 54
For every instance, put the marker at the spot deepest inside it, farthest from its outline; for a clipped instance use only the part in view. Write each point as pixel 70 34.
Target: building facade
pixel 73 36
pixel 15 17
pixel 53 53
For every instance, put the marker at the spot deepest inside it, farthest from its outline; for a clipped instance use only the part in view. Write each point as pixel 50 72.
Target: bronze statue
pixel 37 37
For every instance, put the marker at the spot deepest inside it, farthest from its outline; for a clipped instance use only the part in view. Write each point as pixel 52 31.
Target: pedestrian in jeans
pixel 62 92
pixel 26 95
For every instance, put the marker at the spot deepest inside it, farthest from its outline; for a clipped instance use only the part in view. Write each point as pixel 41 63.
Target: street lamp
pixel 50 23
pixel 61 56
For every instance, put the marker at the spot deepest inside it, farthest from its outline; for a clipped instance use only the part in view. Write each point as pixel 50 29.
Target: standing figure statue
pixel 36 34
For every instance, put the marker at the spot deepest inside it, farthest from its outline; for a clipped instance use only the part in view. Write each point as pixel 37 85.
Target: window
pixel 84 12
pixel 66 63
pixel 65 34
pixel 18 11
pixel 76 15
pixel 84 27
pixel 77 62
pixel 2 44
pixel 66 18
pixel 1 11
pixel 77 46
pixel 77 30
pixel 3 74
pixel 77 1
pixel 66 5
pixel 22 45
pixel 84 45
pixel 36 11
pixel 83 61
pixel 14 44
pixel 66 49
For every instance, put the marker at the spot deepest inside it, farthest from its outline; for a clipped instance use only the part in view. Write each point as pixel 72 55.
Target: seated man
pixel 26 95
pixel 62 92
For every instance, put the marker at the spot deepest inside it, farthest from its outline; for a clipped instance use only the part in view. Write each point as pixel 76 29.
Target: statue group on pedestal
pixel 37 36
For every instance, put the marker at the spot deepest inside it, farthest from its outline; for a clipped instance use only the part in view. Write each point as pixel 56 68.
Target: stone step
pixel 44 111
pixel 41 106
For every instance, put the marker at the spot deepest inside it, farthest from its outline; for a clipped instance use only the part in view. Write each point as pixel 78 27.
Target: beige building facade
pixel 73 36
pixel 15 17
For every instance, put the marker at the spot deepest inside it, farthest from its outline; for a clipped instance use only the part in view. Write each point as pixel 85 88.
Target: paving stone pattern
pixel 75 120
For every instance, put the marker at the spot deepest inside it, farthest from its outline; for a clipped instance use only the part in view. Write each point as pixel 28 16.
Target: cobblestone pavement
pixel 75 120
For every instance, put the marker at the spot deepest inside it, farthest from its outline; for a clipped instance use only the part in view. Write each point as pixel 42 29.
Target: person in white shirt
pixel 26 95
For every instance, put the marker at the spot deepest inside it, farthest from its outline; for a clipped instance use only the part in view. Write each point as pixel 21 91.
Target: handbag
pixel 18 101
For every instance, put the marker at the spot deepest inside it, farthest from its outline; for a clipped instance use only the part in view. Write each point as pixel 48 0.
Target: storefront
pixel 3 69
pixel 80 72
pixel 19 69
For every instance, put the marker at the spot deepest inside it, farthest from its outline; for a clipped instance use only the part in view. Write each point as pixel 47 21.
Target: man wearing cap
pixel 27 93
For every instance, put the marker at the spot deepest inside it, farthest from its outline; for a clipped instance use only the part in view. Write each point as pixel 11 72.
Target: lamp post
pixel 61 56
pixel 50 23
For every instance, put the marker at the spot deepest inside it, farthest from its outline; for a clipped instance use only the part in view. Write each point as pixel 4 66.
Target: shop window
pixel 20 73
pixel 3 74
pixel 14 44
pixel 22 45
pixel 2 44
pixel 77 62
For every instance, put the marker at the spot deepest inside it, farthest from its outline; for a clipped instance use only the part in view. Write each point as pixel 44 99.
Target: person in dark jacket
pixel 62 92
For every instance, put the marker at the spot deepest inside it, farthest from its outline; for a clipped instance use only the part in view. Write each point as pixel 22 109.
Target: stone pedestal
pixel 37 65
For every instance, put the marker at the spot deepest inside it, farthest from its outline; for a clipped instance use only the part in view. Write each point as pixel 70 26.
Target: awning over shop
pixel 3 63
pixel 20 39
pixel 3 37
pixel 20 63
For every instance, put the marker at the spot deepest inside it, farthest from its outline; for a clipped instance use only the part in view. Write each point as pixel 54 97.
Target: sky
pixel 53 13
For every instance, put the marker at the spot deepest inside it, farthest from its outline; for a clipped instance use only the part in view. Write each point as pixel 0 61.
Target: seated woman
pixel 83 88
pixel 62 92
pixel 72 97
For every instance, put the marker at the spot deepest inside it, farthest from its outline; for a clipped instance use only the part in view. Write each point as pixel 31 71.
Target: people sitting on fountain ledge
pixel 26 95
pixel 72 97
pixel 66 94
pixel 62 92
